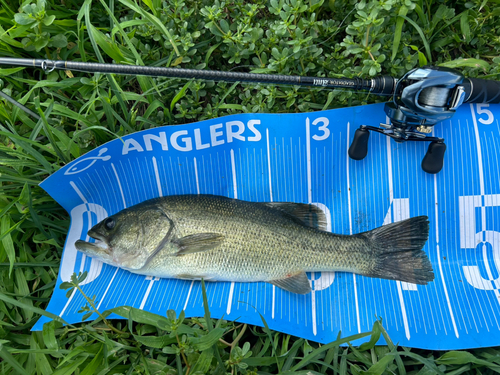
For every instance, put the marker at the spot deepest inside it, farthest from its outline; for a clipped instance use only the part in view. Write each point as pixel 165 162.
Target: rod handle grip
pixel 482 91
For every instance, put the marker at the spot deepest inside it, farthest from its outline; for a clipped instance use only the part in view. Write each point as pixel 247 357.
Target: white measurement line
pixel 401 211
pixel 439 260
pixel 389 167
pixel 189 293
pixel 479 157
pixel 106 291
pixel 274 298
pixel 403 309
pixel 89 220
pixel 233 169
pixel 82 261
pixel 348 184
pixel 67 303
pixel 293 171
pixel 108 176
pixel 269 167
pixel 73 185
pixel 150 286
pixel 270 200
pixel 350 230
pixel 119 185
pixel 308 152
pixel 230 298
pixel 196 176
pixel 309 200
pixel 157 175
pixel 392 216
pixel 235 195
pixel 124 206
pixel 313 305
pixel 148 181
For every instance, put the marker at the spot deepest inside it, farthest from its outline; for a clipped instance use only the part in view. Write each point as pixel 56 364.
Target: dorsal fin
pixel 309 214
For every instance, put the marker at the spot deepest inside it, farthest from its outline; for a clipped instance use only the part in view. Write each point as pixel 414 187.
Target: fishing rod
pixel 422 98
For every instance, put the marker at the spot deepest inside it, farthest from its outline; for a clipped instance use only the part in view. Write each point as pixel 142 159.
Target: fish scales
pixel 259 242
pixel 224 239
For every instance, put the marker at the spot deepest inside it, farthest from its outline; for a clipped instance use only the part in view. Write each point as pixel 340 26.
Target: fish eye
pixel 109 223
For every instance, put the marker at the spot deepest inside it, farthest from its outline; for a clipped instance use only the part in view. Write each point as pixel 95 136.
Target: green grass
pixel 80 112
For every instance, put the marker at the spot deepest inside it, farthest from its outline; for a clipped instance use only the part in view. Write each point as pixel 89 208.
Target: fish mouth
pixel 99 248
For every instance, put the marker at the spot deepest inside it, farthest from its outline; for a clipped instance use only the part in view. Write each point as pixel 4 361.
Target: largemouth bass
pixel 223 239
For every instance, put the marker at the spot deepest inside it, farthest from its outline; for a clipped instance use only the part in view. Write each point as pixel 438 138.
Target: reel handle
pixel 359 146
pixel 481 91
pixel 433 160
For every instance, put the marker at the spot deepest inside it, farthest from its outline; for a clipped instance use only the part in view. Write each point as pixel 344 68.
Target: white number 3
pixel 323 128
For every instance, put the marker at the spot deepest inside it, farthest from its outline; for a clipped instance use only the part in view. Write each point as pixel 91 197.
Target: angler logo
pixel 86 163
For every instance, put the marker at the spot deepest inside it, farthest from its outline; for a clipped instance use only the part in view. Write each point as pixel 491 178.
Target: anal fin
pixel 296 283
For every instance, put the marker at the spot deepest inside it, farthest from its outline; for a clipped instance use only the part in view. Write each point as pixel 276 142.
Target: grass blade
pixel 111 49
pixel 464 26
pixel 422 36
pixel 429 363
pixel 34 309
pixel 273 346
pixel 398 31
pixel 209 53
pixel 456 357
pixel 23 143
pixel 114 86
pixel 379 367
pixel 210 327
pixel 146 83
pixel 473 63
pixel 392 348
pixel 8 244
pixel 326 347
pixel 154 20
pixel 7 357
pixel 179 95
pixel 231 89
pixel 48 130
pixel 96 127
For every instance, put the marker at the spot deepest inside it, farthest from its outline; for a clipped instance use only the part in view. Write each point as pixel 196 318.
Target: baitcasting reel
pixel 422 98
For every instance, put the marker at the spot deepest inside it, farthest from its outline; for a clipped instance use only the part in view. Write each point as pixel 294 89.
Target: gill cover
pixel 134 236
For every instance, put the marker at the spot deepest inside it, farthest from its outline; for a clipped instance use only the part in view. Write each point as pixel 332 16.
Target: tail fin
pixel 397 248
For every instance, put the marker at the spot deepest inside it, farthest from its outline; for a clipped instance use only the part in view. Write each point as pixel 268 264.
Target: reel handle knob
pixel 434 158
pixel 359 146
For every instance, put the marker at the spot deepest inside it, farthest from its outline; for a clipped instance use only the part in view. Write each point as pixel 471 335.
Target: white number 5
pixel 469 239
pixel 480 110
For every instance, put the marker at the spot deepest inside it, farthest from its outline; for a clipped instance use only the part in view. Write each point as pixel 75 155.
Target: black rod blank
pixel 379 85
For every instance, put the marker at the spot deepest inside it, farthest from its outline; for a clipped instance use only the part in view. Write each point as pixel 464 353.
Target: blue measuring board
pixel 303 158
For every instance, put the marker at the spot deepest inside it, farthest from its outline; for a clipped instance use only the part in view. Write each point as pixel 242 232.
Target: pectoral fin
pixel 198 242
pixel 296 283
